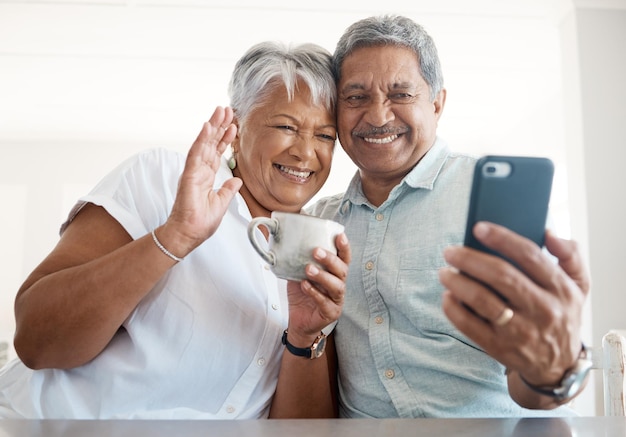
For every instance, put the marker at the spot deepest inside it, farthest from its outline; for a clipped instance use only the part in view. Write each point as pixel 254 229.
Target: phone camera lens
pixel 496 169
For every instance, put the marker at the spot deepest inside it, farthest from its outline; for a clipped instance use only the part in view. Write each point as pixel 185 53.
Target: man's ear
pixel 439 103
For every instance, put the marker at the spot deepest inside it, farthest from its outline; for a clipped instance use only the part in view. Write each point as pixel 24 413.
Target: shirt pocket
pixel 414 262
pixel 418 290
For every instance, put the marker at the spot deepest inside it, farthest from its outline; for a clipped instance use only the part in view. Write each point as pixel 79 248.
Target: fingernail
pixel 481 229
pixel 319 253
pixel 312 270
pixel 448 252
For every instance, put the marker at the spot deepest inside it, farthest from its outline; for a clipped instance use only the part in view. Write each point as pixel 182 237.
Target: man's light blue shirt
pixel 399 356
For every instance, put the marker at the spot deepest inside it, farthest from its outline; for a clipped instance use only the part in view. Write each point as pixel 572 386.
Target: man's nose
pixel 379 112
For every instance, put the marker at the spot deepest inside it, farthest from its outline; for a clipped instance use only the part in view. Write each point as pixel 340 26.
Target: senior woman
pixel 153 304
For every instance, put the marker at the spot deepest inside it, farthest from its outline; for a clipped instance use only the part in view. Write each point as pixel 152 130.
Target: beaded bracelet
pixel 163 249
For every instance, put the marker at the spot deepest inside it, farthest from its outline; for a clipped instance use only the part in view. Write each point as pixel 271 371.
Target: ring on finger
pixel 505 317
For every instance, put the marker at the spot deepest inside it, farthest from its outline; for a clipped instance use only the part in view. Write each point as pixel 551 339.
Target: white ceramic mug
pixel 292 240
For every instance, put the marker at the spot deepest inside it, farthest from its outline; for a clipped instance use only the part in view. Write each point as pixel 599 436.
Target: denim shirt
pixel 399 356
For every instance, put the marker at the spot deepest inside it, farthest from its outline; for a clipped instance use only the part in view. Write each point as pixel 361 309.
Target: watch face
pixel 574 380
pixel 319 347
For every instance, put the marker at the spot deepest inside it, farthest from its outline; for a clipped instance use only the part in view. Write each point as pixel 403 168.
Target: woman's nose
pixel 303 147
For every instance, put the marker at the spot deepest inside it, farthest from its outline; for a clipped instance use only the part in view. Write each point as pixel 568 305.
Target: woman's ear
pixel 236 123
pixel 234 145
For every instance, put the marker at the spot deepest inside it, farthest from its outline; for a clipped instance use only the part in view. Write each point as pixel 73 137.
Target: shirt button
pixel 389 373
pixel 230 409
pixel 380 217
pixel 369 265
pixel 378 320
pixel 260 362
pixel 274 306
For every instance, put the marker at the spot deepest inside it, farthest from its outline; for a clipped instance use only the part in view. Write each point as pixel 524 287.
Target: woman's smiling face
pixel 284 151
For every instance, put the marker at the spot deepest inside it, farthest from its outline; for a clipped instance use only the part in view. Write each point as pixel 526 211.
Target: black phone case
pixel 518 201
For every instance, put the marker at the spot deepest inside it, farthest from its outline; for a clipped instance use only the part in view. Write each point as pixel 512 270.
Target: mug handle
pixel 272 225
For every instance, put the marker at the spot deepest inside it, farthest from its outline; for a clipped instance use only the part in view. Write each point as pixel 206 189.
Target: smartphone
pixel 512 191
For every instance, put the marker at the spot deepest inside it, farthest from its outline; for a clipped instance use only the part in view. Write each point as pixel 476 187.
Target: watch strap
pixel 572 379
pixel 306 352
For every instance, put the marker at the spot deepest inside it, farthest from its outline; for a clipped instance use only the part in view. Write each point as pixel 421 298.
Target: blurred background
pixel 85 84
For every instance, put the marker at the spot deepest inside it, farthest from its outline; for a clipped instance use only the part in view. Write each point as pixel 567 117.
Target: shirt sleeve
pixel 138 193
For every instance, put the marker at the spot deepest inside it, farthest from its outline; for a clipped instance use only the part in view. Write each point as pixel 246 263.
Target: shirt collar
pixel 423 175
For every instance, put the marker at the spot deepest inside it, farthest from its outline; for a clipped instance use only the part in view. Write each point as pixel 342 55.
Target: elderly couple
pixel 153 304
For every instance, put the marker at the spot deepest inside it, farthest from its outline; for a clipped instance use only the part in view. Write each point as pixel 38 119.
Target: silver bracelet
pixel 163 249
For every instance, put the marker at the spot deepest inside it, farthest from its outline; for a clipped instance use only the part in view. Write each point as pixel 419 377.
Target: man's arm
pixel 541 342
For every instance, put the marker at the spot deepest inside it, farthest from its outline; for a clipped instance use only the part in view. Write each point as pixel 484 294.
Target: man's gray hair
pixel 392 30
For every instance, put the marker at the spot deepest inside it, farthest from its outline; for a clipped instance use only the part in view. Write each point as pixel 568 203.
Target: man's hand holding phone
pixel 531 324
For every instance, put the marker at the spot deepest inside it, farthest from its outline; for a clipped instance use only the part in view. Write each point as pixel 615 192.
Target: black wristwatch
pixel 572 380
pixel 314 351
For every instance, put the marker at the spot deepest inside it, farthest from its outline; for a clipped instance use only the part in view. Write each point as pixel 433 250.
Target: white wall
pixel 84 84
pixel 596 113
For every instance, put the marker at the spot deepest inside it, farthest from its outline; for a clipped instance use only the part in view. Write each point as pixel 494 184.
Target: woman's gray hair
pixel 392 30
pixel 270 64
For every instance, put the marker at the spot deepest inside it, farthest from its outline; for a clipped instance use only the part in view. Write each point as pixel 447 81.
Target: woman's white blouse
pixel 204 344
